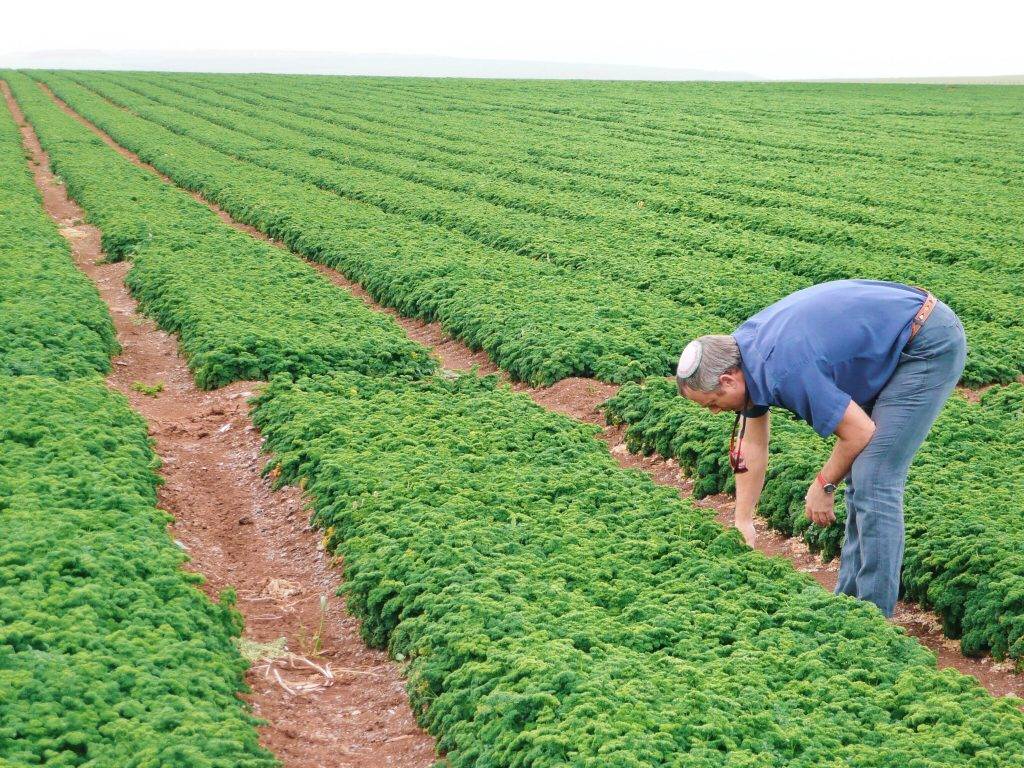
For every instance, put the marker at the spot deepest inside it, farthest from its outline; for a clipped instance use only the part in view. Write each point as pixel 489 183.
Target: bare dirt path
pixel 579 398
pixel 241 534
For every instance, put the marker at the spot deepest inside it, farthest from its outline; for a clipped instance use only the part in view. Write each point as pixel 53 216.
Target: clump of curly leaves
pixel 52 322
pixel 109 654
pixel 242 308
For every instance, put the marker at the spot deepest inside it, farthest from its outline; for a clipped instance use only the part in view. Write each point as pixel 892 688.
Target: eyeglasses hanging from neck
pixel 736 461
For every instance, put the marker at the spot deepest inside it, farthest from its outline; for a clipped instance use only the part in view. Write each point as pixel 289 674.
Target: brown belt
pixel 922 314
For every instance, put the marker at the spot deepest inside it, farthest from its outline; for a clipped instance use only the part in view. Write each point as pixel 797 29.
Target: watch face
pixel 830 487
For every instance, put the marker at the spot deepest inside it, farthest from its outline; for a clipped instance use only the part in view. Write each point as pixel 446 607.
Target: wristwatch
pixel 826 486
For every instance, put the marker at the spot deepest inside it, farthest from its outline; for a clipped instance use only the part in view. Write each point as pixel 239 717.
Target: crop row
pixel 555 609
pixel 559 195
pixel 541 158
pixel 242 308
pixel 698 176
pixel 52 322
pixel 715 280
pixel 109 653
pixel 965 547
pixel 533 319
pixel 692 283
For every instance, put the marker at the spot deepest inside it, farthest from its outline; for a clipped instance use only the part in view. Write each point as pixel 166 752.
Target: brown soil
pixel 974 394
pixel 241 534
pixel 579 399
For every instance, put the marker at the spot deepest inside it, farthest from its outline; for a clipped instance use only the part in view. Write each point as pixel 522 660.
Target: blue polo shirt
pixel 817 349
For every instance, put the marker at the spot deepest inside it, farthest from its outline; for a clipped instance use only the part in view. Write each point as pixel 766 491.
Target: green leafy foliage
pixel 537 320
pixel 150 390
pixel 555 609
pixel 109 654
pixel 52 322
pixel 664 220
pixel 965 545
pixel 965 552
pixel 243 309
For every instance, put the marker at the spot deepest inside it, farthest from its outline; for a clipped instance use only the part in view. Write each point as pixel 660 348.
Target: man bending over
pixel 870 362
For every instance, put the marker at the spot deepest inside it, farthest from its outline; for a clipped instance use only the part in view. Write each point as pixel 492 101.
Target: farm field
pixel 542 317
pixel 549 607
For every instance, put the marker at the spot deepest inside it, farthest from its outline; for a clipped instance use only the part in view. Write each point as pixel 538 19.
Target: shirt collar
pixel 755 388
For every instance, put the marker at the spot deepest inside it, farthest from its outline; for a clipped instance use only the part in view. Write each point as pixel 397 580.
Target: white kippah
pixel 690 359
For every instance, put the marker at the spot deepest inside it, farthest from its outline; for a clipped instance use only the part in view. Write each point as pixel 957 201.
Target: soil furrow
pixel 240 534
pixel 579 398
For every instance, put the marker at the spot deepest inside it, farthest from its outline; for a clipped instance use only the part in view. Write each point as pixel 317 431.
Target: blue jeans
pixel 903 412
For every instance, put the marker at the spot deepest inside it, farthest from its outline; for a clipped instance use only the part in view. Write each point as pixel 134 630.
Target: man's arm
pixel 749 484
pixel 854 432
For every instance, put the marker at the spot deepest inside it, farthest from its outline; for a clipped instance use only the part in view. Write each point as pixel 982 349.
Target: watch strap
pixel 827 486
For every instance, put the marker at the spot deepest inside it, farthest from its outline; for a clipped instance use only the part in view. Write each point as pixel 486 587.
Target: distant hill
pixel 969 80
pixel 326 63
pixel 331 63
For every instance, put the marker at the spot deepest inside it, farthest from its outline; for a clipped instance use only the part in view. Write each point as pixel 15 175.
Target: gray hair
pixel 717 355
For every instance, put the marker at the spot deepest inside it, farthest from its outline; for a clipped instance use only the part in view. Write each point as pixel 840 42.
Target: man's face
pixel 731 394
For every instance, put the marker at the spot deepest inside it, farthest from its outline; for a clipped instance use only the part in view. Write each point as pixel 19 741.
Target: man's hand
pixel 820 505
pixel 750 483
pixel 854 432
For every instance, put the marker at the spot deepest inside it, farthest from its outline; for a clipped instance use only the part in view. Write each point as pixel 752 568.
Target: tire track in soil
pixel 579 398
pixel 240 534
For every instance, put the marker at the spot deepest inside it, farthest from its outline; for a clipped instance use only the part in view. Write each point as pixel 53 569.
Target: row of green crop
pixel 537 322
pixel 557 610
pixel 965 545
pixel 997 351
pixel 696 178
pixel 243 309
pixel 423 129
pixel 576 199
pixel 109 653
pixel 52 322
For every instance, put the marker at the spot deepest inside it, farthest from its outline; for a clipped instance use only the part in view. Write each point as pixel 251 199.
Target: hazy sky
pixel 770 38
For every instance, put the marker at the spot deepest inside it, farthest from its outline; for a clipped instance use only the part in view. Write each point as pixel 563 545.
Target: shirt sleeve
pixel 812 394
pixel 755 411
